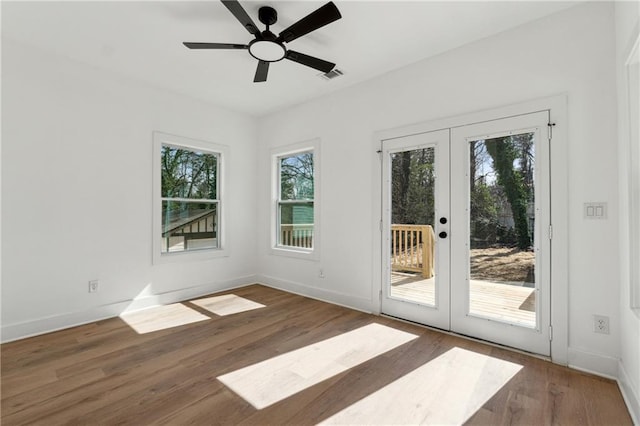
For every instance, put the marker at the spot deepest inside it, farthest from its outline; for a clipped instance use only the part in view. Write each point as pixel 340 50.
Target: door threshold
pixel 473 339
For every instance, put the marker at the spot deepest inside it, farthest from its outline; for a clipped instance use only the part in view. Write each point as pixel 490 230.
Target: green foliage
pixel 482 205
pixel 484 213
pixel 501 190
pixel 504 153
pixel 413 187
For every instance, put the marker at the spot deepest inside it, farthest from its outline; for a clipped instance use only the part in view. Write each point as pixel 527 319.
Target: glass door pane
pixel 502 212
pixel 412 248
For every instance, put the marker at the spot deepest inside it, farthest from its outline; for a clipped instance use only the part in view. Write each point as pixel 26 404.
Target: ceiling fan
pixel 266 47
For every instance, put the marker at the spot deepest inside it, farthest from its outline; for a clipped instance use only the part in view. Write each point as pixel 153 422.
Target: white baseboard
pixel 357 303
pixel 188 293
pixel 17 331
pixel 598 364
pixel 22 330
pixel 631 396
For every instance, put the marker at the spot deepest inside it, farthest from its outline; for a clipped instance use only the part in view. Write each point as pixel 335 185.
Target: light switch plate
pixel 595 210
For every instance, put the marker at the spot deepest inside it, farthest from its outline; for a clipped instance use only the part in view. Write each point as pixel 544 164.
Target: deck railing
pixel 296 235
pixel 413 249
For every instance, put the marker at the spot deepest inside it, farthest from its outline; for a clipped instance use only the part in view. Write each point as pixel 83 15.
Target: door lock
pixel 442 234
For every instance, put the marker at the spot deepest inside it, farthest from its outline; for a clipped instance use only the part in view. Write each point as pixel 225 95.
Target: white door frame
pixel 557 107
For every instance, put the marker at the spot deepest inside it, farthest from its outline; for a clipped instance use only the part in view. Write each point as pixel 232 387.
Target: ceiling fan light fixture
pixel 266 50
pixel 266 47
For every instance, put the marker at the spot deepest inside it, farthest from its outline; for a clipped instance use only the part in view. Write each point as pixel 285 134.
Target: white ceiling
pixel 143 40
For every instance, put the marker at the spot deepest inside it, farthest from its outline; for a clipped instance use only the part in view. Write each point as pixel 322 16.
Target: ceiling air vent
pixel 334 73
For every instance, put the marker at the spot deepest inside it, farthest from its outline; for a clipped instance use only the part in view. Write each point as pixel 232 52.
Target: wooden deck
pixel 503 302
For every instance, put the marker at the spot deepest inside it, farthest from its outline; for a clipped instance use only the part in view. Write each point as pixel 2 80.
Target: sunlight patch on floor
pixel 446 391
pixel 275 379
pixel 161 318
pixel 227 304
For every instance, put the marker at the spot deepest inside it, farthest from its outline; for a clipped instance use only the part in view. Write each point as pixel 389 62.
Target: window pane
pixel 189 226
pixel 188 174
pixel 296 225
pixel 412 250
pixel 296 177
pixel 502 219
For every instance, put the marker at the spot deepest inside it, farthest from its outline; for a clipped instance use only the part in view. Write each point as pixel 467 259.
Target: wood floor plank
pixel 106 373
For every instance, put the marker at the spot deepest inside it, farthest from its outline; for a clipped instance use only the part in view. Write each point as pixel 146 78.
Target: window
pixel 189 199
pixel 188 211
pixel 295 189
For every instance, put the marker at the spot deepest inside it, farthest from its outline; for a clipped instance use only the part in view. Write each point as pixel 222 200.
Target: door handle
pixel 443 220
pixel 442 234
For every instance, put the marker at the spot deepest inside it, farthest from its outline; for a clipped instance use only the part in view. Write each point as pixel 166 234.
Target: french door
pixel 466 216
pixel 417 263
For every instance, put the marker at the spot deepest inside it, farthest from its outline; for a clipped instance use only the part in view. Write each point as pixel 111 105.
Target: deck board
pixel 505 302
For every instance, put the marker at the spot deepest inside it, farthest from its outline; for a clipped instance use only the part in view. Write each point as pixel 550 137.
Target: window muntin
pixel 295 205
pixel 190 201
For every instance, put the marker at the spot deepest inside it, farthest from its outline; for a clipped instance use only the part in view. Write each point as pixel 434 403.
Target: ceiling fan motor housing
pixel 267 15
pixel 265 47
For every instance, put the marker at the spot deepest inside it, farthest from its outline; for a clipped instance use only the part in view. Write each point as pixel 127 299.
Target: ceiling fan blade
pixel 241 15
pixel 261 72
pixel 192 45
pixel 310 61
pixel 317 19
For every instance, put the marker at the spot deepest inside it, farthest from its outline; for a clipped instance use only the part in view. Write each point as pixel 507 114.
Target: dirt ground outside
pixel 504 265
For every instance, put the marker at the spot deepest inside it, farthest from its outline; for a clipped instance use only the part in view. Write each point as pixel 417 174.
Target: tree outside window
pixel 190 203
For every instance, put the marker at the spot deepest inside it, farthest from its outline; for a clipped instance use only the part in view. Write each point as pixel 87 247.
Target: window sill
pixel 189 256
pixel 292 252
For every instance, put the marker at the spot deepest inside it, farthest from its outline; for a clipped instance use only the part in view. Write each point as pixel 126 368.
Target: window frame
pixel 161 139
pixel 312 146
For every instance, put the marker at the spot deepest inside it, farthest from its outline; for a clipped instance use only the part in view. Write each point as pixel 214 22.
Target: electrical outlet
pixel 321 273
pixel 93 286
pixel 601 324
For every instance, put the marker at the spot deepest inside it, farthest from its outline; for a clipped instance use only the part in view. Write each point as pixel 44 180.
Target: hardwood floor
pixel 107 373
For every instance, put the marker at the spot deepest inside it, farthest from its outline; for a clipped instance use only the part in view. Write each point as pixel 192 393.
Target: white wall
pixel 76 177
pixel 572 52
pixel 76 187
pixel 627 20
